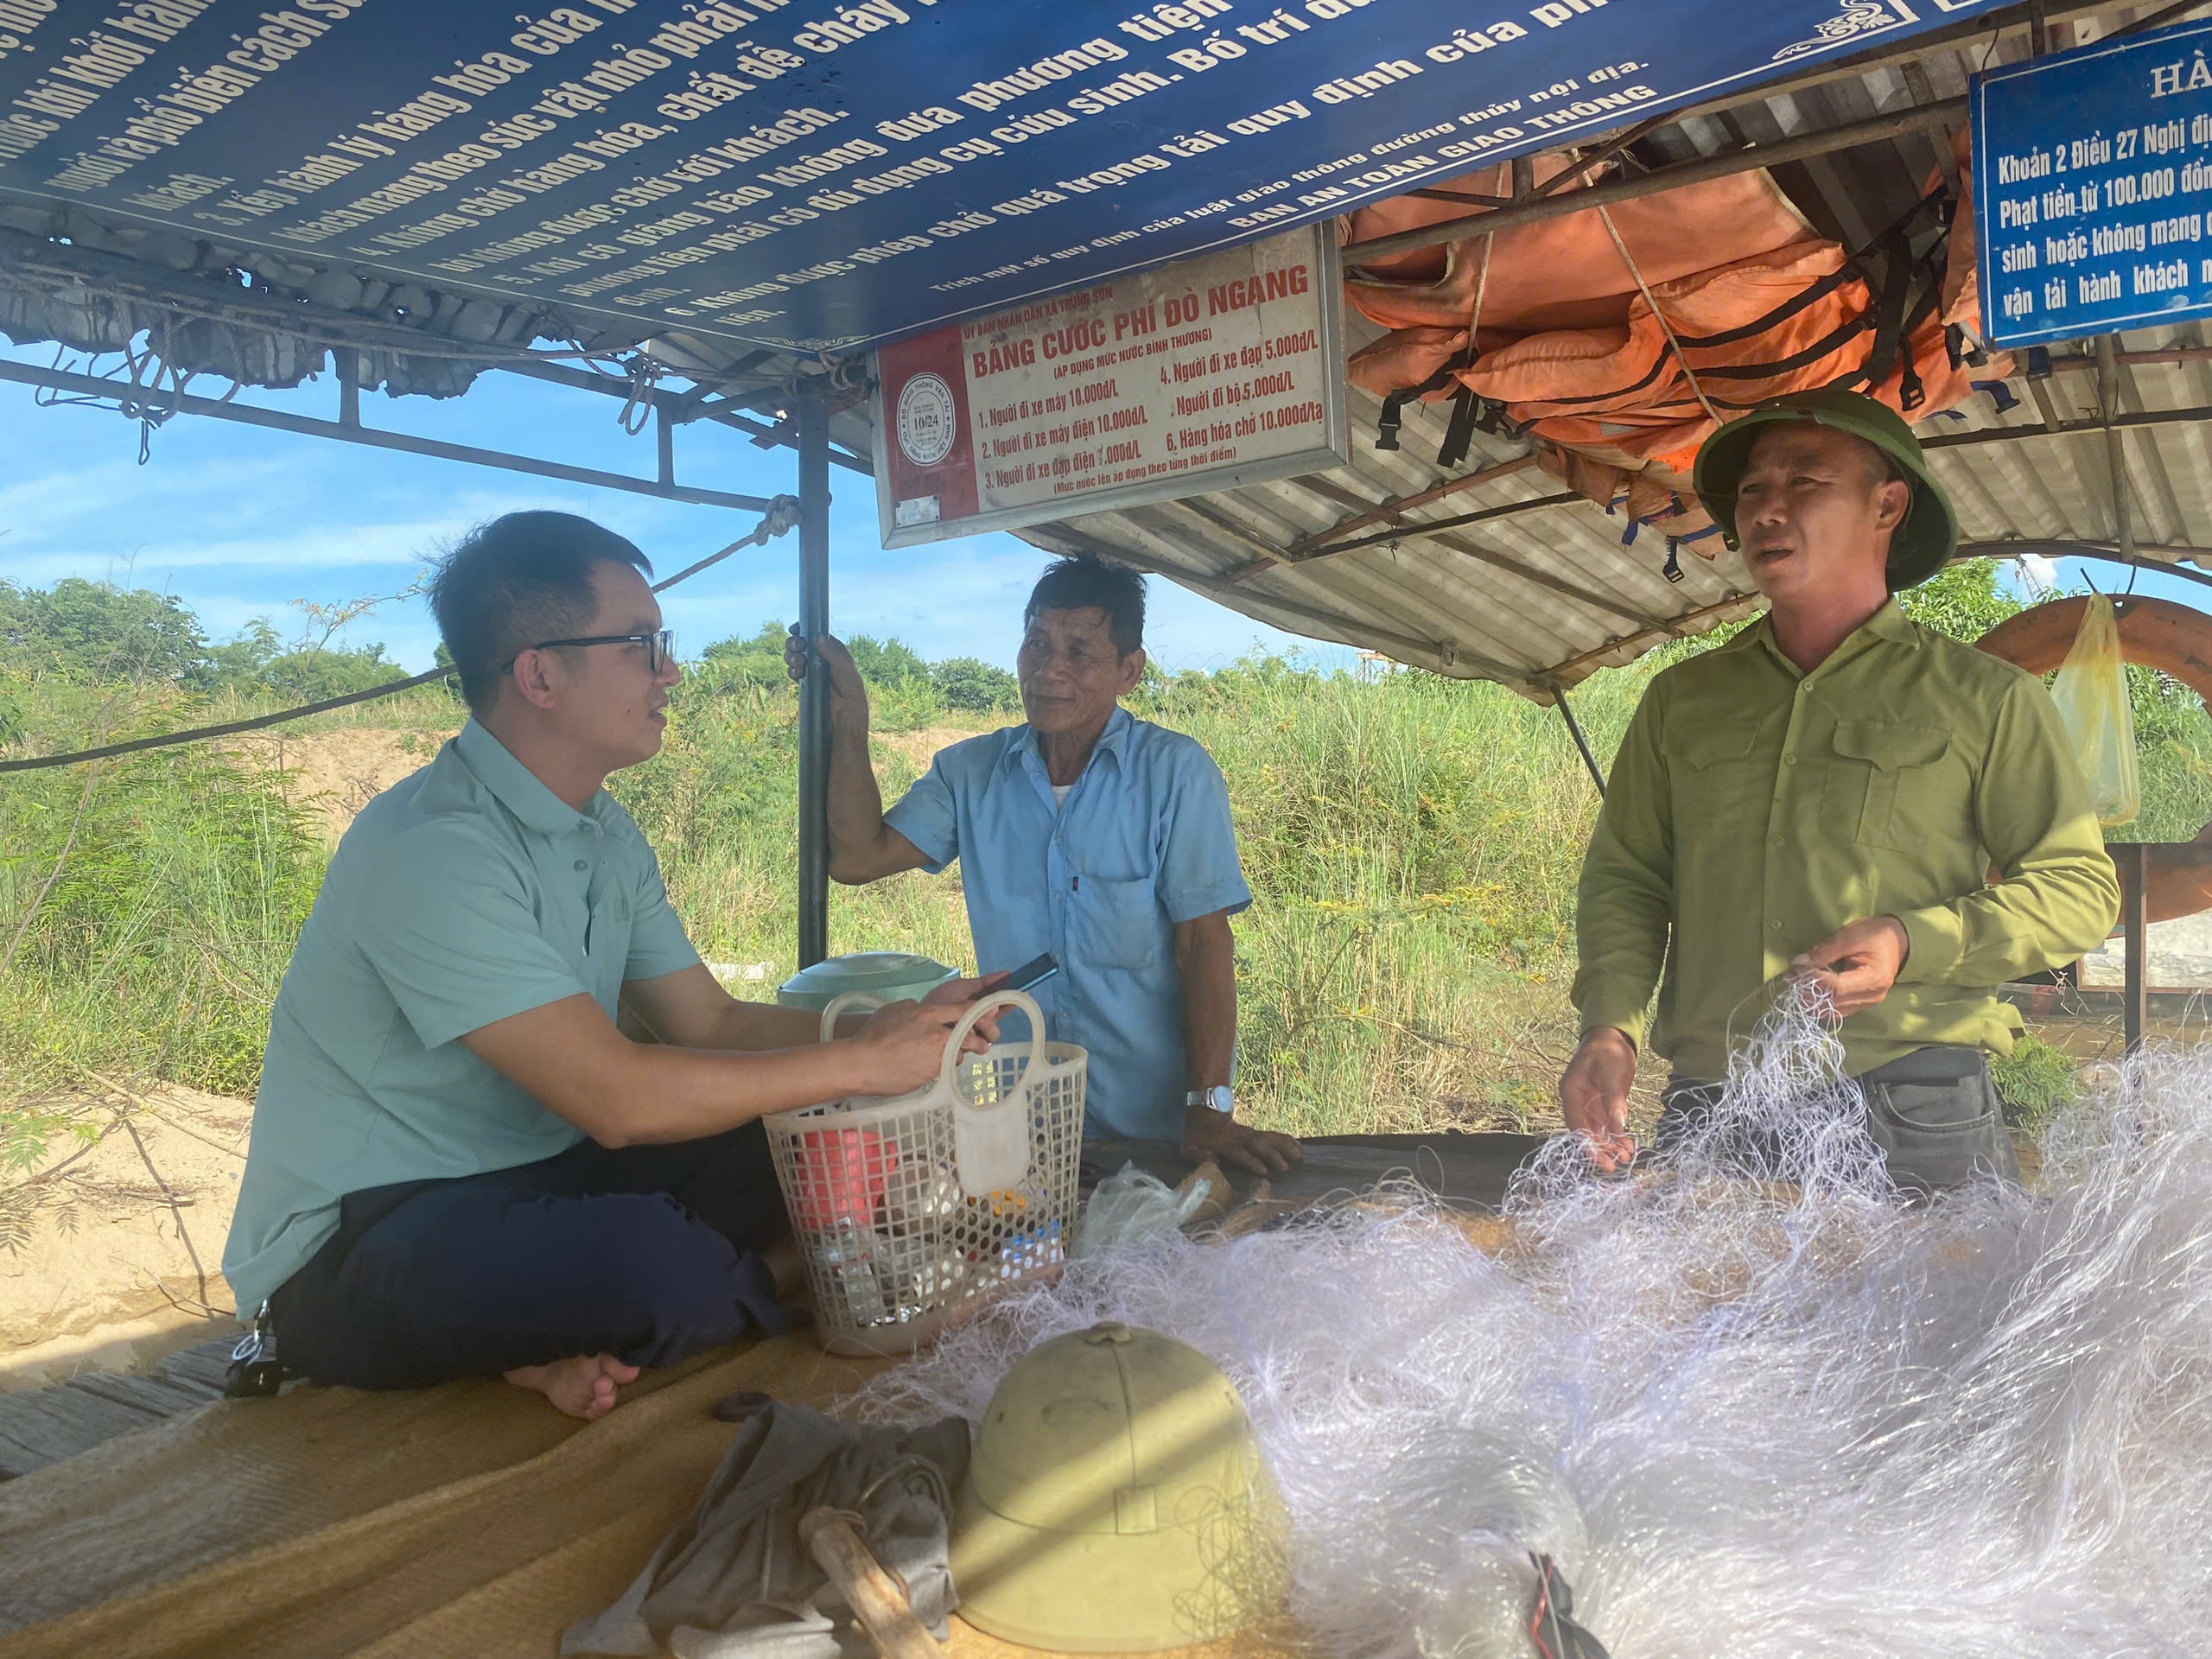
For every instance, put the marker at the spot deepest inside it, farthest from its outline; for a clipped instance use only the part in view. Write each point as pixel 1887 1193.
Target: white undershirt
pixel 1060 794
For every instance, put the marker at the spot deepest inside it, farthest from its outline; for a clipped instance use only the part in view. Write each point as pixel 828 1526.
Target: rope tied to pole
pixel 781 517
pixel 1659 317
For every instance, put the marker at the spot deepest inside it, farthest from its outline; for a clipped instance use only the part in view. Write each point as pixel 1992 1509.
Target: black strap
pixel 1829 284
pixel 1459 431
pixel 1387 425
pixel 1825 346
pixel 1853 265
pixel 1658 367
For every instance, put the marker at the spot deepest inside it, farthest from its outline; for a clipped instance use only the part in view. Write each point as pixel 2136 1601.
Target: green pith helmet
pixel 1116 1501
pixel 1921 546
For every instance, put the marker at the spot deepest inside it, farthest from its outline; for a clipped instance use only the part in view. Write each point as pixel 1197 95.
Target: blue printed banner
pixel 827 173
pixel 2093 173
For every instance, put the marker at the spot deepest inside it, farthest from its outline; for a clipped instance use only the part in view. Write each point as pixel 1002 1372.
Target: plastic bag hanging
pixel 2091 692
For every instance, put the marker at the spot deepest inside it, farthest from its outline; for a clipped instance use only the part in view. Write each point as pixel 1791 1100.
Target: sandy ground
pixel 918 748
pixel 109 1271
pixel 337 774
pixel 117 1250
pixel 120 1243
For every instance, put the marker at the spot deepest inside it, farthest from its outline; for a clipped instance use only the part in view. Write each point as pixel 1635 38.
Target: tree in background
pixel 754 660
pixel 258 659
pixel 85 631
pixel 905 691
pixel 1960 600
pixel 971 684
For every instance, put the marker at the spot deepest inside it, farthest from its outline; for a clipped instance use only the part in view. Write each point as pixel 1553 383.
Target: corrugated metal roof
pixel 1543 591
pixel 1537 591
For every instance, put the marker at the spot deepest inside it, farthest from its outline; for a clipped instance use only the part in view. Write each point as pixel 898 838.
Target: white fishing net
pixel 1761 1413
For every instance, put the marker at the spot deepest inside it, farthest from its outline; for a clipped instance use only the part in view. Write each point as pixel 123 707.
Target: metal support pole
pixel 348 362
pixel 814 691
pixel 2115 451
pixel 1581 743
pixel 2135 927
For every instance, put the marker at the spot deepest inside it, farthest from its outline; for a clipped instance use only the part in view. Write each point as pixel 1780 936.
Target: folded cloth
pixel 734 1581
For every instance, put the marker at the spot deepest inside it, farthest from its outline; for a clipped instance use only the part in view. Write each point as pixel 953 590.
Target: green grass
pixel 2036 1080
pixel 1412 843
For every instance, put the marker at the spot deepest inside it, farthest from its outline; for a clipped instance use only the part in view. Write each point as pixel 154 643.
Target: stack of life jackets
pixel 1567 350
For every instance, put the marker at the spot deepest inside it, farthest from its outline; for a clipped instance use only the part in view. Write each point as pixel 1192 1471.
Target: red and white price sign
pixel 1200 375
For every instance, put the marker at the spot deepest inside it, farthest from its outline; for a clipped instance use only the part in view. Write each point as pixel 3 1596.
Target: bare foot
pixel 583 1387
pixel 787 1268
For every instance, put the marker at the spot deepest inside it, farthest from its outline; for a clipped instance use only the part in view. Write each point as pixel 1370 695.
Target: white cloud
pixel 238 524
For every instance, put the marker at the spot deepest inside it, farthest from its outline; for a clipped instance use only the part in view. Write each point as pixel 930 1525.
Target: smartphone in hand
pixel 1033 973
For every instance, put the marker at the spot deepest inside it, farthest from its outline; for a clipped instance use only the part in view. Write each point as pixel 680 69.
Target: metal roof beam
pixel 1376 513
pixel 1545 578
pixel 2165 560
pixel 87 385
pixel 1850 136
pixel 561 374
pixel 1436 526
pixel 2067 429
pixel 1059 537
pixel 1990 27
pixel 1674 627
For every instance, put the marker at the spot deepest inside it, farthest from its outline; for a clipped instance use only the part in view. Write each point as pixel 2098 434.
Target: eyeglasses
pixel 660 647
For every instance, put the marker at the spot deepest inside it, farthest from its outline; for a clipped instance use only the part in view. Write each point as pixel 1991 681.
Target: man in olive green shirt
pixel 1822 798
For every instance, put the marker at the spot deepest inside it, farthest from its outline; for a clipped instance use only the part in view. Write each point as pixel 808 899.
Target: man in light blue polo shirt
pixel 1085 832
pixel 459 1164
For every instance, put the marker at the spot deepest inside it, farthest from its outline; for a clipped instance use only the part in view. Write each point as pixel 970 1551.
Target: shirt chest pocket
pixel 1114 923
pixel 606 936
pixel 1714 778
pixel 1888 780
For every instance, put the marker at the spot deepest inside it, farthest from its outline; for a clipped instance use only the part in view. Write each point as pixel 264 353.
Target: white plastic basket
pixel 911 1209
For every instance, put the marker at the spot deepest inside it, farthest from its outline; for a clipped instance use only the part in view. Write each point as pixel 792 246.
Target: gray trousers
pixel 1934 1114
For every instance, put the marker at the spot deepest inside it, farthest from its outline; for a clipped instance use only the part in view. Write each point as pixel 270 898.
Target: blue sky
pixel 240 523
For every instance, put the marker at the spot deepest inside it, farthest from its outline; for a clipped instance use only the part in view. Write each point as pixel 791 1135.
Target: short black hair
pixel 521 578
pixel 1074 584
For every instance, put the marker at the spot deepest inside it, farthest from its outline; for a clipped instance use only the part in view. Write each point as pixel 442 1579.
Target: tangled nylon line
pixel 1762 1411
pixel 783 514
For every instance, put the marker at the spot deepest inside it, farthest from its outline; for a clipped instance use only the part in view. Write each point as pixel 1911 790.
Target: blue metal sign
pixel 2092 179
pixel 824 174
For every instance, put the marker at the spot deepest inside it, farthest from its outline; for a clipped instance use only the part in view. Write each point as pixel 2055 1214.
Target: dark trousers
pixel 1934 1114
pixel 650 1254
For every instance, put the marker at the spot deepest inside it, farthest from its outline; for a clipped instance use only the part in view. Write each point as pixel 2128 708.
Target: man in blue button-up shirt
pixel 1103 839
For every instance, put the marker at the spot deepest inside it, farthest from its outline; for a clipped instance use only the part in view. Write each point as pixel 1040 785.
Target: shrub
pixel 971 684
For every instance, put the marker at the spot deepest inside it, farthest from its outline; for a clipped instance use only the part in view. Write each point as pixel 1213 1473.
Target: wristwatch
pixel 1218 1097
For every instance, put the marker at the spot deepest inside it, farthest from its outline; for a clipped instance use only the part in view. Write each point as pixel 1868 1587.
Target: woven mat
pixel 470 1519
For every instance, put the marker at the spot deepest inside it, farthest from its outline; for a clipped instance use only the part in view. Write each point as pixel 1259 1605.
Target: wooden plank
pixel 44 1426
pixel 206 1364
pixel 157 1396
pixel 48 1425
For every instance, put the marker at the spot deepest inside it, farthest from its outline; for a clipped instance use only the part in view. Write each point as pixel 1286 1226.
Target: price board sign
pixel 1198 375
pixel 2093 181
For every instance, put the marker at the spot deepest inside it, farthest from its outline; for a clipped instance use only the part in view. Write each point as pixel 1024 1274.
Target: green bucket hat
pixel 1930 534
